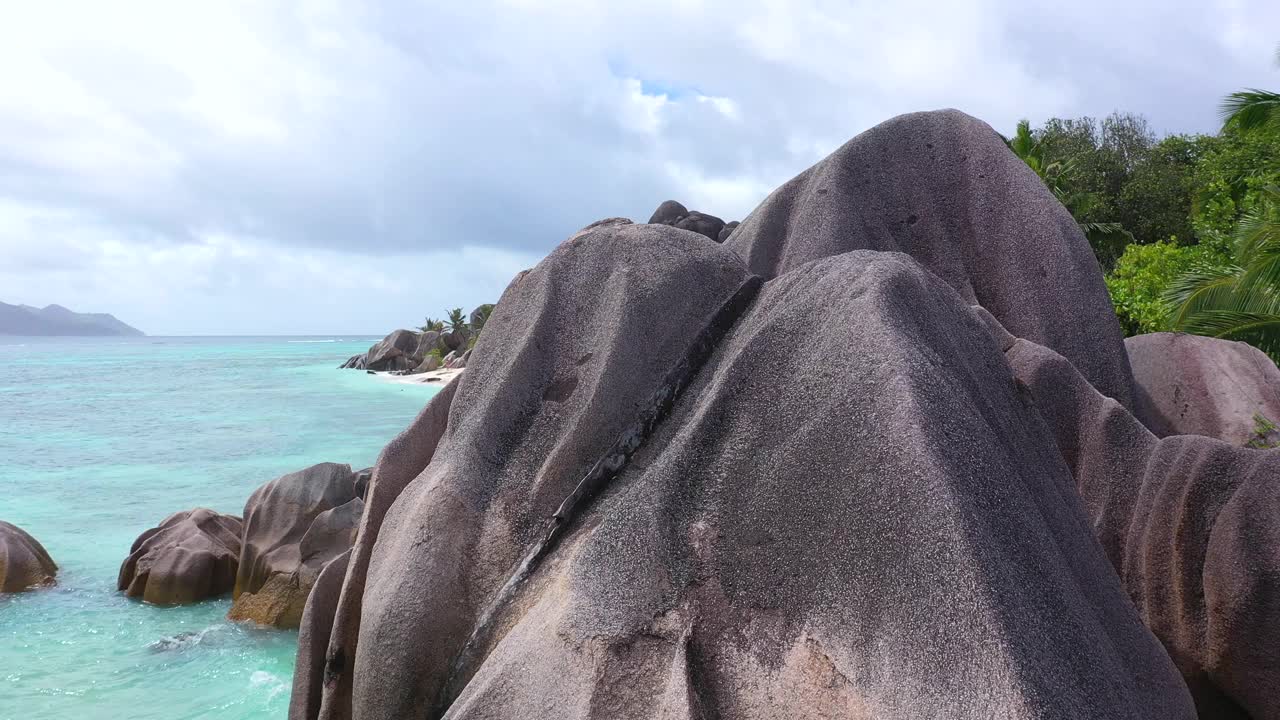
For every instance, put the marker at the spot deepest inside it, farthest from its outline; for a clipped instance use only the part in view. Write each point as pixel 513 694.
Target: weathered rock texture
pixel 676 484
pixel 1193 385
pixel 1193 526
pixel 293 526
pixel 24 564
pixel 191 556
pixel 943 188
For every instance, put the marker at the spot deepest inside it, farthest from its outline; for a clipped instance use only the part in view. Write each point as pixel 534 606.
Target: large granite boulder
pixel 429 340
pixel 24 563
pixel 1192 525
pixel 394 352
pixel 943 188
pixel 329 638
pixel 293 526
pixel 1194 385
pixel 823 497
pixel 190 556
pixel 727 230
pixel 455 341
pixel 676 215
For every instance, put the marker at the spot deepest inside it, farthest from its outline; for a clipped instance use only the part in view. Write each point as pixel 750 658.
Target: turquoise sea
pixel 100 439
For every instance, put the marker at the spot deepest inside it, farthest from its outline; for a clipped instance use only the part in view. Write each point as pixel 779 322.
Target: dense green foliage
pixel 1185 226
pixel 1141 276
pixel 1229 178
pixel 1239 300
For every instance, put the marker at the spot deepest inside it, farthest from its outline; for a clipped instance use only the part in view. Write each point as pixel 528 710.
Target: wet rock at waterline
pixel 812 472
pixel 293 526
pixel 1194 385
pixel 191 556
pixel 24 563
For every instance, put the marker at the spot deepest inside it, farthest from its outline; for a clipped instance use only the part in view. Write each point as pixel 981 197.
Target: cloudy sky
pixel 340 167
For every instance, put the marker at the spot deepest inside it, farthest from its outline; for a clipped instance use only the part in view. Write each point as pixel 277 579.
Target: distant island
pixel 57 320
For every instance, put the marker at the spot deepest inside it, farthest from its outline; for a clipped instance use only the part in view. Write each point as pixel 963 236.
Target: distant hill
pixel 57 320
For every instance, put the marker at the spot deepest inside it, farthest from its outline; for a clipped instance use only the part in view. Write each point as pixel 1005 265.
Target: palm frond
pixel 1250 108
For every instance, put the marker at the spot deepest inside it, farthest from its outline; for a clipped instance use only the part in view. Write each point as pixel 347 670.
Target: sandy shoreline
pixel 439 378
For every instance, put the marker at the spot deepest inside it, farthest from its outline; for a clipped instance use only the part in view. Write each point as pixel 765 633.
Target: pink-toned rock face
pixel 1193 385
pixel 24 564
pixel 1192 525
pixel 293 526
pixel 191 556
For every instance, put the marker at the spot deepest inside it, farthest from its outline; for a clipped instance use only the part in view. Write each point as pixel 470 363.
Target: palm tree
pixel 433 324
pixel 1241 300
pixel 1252 108
pixel 1106 238
pixel 457 321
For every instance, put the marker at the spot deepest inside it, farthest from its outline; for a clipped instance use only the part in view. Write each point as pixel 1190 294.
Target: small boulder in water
pixel 191 556
pixel 24 563
pixel 293 526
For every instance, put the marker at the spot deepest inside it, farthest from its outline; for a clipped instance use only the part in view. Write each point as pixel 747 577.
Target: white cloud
pixel 292 151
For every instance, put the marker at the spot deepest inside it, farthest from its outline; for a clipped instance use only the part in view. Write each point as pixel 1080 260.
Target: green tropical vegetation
pixel 1185 227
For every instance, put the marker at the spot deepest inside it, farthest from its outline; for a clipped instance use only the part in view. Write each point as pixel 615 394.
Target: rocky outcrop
pixel 394 352
pixel 943 188
pixel 683 523
pixel 676 215
pixel 427 341
pixel 869 467
pixel 407 352
pixel 293 526
pixel 24 563
pixel 727 230
pixel 1191 525
pixel 191 556
pixel 355 362
pixel 1193 385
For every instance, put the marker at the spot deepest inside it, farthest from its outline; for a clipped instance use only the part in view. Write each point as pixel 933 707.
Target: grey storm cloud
pixel 405 129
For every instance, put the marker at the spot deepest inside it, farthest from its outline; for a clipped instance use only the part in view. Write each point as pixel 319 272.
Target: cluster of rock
pixel 190 556
pixel 676 215
pixel 408 352
pixel 24 563
pixel 879 454
pixel 269 560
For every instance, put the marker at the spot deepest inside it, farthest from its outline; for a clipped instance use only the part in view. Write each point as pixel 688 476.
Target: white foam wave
pixel 272 682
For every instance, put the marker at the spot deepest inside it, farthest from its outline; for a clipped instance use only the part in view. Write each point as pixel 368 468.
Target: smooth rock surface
pixel 313 639
pixel 1191 524
pixel 808 529
pixel 943 188
pixel 191 556
pixel 24 563
pixel 399 463
pixel 1194 385
pixel 293 526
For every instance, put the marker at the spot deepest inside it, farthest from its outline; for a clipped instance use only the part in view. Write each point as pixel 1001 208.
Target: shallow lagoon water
pixel 101 438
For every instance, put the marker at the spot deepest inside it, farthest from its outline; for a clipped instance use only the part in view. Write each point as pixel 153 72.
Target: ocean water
pixel 102 438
